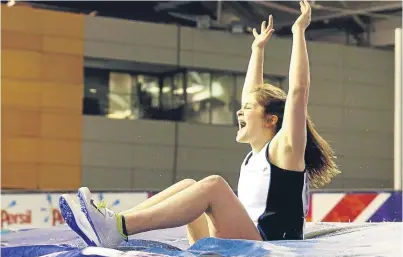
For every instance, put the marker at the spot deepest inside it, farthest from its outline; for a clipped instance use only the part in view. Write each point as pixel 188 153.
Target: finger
pixel 302 7
pixel 268 35
pixel 307 5
pixel 255 33
pixel 270 22
pixel 263 26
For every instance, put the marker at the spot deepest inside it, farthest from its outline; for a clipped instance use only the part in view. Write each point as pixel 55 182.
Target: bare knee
pixel 214 187
pixel 214 182
pixel 188 182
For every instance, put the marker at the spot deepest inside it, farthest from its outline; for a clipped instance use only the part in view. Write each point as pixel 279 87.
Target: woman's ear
pixel 271 120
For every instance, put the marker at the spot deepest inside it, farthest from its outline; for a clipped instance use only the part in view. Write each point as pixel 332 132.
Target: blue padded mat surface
pixel 324 239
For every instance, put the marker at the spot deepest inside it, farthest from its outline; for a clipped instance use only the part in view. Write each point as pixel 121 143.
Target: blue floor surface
pixel 324 239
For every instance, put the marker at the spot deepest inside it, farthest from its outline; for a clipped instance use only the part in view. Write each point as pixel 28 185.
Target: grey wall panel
pixel 363 76
pixel 326 92
pixel 152 156
pixel 274 65
pixel 328 54
pixel 207 136
pixel 219 61
pixel 106 178
pixel 130 32
pixel 231 178
pixel 367 183
pixel 209 41
pixel 277 49
pixel 366 168
pixel 367 59
pixel 150 132
pixel 361 144
pixel 368 120
pixel 120 39
pixel 324 116
pixel 121 51
pixel 326 72
pixel 209 160
pixel 107 154
pixel 369 97
pixel 151 179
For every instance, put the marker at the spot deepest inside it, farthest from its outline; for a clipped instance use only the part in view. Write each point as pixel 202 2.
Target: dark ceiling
pixel 353 17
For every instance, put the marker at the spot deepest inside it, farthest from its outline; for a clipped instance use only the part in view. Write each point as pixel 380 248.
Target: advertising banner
pixel 42 209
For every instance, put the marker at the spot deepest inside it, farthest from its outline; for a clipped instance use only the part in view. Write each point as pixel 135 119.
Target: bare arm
pixel 295 113
pixel 254 75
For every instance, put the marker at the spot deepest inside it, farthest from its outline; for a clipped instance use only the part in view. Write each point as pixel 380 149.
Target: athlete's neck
pixel 258 145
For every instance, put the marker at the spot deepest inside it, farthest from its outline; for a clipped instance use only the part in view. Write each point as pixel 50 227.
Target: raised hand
pixel 265 34
pixel 304 19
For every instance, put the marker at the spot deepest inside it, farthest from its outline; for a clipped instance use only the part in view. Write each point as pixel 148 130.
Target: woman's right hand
pixel 265 34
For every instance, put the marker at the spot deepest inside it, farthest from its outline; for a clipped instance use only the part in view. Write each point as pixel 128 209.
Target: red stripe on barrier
pixel 349 207
pixel 309 214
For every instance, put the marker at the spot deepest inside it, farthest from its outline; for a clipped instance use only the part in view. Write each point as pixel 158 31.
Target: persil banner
pixel 41 210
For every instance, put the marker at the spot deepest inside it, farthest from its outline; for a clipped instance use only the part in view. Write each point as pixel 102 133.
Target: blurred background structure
pixel 134 96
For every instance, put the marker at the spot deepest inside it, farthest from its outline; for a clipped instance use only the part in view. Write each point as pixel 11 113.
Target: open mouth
pixel 241 124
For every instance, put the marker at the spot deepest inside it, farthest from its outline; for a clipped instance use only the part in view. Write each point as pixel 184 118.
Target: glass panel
pixel 198 96
pixel 166 95
pixel 238 97
pixel 178 100
pixel 221 102
pixel 95 101
pixel 148 90
pixel 121 98
pixel 272 80
pixel 172 101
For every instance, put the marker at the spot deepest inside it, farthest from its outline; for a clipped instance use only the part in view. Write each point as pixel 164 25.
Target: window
pixel 222 99
pixel 198 95
pixel 172 97
pixel 121 97
pixel 239 81
pixel 148 95
pixel 96 83
pixel 211 97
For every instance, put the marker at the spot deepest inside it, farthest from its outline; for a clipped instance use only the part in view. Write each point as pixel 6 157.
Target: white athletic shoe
pixel 76 220
pixel 106 224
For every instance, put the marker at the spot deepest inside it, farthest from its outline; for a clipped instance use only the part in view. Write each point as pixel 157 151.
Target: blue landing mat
pixel 324 239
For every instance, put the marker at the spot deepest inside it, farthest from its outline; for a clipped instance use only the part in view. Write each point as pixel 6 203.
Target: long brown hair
pixel 319 155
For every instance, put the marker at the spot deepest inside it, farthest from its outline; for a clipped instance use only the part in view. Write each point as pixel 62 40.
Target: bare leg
pixel 161 196
pixel 196 229
pixel 213 195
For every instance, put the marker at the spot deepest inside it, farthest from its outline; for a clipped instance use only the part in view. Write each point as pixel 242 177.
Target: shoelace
pixel 102 205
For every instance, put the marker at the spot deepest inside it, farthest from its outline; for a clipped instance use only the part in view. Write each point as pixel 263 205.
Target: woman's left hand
pixel 304 19
pixel 265 34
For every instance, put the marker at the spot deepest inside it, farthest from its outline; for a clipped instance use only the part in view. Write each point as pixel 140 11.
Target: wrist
pixel 298 31
pixel 257 48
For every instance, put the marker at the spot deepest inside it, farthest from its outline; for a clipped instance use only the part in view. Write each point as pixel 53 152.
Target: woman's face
pixel 251 120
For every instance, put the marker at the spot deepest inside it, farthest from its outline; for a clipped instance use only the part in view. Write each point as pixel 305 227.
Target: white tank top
pixel 254 182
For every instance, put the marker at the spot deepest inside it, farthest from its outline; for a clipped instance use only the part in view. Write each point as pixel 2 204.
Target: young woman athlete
pixel 287 155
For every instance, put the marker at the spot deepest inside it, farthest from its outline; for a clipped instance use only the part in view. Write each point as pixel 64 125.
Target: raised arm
pixel 254 75
pixel 295 113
